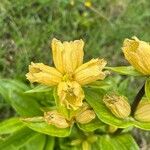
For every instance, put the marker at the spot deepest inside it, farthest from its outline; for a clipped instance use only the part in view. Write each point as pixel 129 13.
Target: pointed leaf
pixel 24 105
pixel 100 85
pixel 45 128
pixel 10 125
pixel 36 143
pixel 125 70
pixel 93 125
pixel 142 125
pixel 119 142
pixel 39 89
pixel 18 138
pixel 12 91
pixel 10 85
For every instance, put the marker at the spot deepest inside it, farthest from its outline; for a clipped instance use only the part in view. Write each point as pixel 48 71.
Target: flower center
pixel 67 77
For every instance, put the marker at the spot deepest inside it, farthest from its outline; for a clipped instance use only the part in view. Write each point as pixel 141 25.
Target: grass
pixel 27 28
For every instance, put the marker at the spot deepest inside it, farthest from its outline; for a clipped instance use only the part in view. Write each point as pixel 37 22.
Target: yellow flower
pixel 56 119
pixel 138 54
pixel 69 72
pixel 88 4
pixel 118 105
pixel 71 94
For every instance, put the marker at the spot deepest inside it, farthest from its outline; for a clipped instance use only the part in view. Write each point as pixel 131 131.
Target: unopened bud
pixel 112 129
pixel 85 117
pixel 86 145
pixel 142 112
pixel 92 138
pixel 56 119
pixel 76 142
pixel 118 105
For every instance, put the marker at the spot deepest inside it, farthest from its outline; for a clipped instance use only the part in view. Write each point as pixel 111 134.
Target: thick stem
pixel 137 99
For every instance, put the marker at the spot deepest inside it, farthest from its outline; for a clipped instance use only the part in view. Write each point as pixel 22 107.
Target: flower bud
pixel 142 112
pixel 76 142
pixel 86 145
pixel 85 115
pixel 56 119
pixel 92 138
pixel 118 105
pixel 112 129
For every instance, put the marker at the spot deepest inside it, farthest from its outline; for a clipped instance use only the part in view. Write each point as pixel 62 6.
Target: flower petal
pixel 67 56
pixel 57 50
pixel 70 94
pixel 90 71
pixel 73 55
pixel 38 72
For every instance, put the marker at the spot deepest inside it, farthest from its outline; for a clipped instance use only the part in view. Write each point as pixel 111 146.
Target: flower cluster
pixel 69 75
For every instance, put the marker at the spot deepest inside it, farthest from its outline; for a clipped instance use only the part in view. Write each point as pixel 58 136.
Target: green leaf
pixel 7 85
pixel 103 113
pixel 45 128
pixel 125 70
pixel 93 125
pixel 119 142
pixel 142 125
pixel 10 125
pixel 147 88
pixel 65 144
pixel 125 141
pixel 105 143
pixel 50 143
pixel 18 139
pixel 39 89
pixel 94 98
pixel 105 85
pixel 36 143
pixel 25 105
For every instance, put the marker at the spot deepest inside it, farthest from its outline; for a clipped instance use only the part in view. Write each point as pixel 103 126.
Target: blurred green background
pixel 28 26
